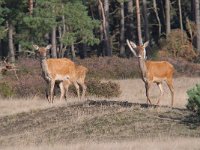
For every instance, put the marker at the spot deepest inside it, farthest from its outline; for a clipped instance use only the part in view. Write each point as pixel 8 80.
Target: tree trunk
pixel 105 16
pixel 146 22
pixel 101 50
pixel 122 48
pixel 73 52
pixel 180 15
pixel 139 22
pixel 167 14
pixel 53 42
pixel 130 30
pixel 157 17
pixel 107 36
pixel 60 54
pixel 11 43
pixel 30 3
pixel 197 20
pixel 192 16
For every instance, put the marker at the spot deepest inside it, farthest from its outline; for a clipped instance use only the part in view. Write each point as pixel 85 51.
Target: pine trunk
pixel 11 43
pixel 157 17
pixel 30 2
pixel 139 22
pixel 167 14
pixel 197 20
pixel 107 39
pixel 180 15
pixel 130 22
pixel 122 48
pixel 146 22
pixel 53 42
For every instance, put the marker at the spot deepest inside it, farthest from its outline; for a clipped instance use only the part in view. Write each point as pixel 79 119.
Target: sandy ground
pixel 132 91
pixel 140 144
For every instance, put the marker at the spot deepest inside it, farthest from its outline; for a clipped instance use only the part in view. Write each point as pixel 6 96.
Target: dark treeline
pixel 84 28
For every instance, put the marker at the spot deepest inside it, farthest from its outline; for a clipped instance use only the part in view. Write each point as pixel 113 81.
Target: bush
pixel 97 88
pixel 31 83
pixel 194 99
pixel 6 90
pixel 111 67
pixel 177 45
pixel 103 89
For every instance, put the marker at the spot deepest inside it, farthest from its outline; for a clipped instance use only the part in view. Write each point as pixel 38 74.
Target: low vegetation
pixel 97 121
pixel 31 83
pixel 177 45
pixel 194 99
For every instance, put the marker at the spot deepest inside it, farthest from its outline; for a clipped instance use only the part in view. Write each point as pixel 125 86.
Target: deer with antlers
pixel 62 71
pixel 153 71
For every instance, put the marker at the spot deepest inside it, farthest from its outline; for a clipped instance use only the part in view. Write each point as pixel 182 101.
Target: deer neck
pixel 143 69
pixel 45 70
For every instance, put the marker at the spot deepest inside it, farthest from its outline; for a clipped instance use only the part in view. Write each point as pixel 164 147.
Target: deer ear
pixel 146 44
pixel 36 47
pixel 48 47
pixel 131 45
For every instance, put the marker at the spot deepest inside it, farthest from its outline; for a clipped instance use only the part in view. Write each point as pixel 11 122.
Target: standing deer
pixel 80 74
pixel 153 71
pixel 55 70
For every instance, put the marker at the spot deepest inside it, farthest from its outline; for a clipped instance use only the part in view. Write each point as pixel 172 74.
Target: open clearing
pixel 98 123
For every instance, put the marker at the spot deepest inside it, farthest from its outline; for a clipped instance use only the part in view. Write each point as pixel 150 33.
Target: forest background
pixel 93 33
pixel 87 28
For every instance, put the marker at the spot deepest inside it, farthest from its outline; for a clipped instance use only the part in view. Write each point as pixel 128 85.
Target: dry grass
pixel 33 123
pixel 169 143
pixel 132 91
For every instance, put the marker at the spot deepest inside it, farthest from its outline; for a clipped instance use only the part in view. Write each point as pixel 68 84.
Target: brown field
pixel 98 123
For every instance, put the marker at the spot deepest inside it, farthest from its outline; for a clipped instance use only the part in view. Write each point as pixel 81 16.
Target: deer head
pixel 138 51
pixel 42 50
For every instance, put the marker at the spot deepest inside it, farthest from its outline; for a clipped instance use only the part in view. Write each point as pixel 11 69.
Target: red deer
pixel 55 70
pixel 80 74
pixel 153 71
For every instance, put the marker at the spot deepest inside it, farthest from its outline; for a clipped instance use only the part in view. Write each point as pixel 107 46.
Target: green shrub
pixel 6 90
pixel 194 99
pixel 103 89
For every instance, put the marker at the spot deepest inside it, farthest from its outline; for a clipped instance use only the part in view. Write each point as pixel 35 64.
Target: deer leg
pixel 170 85
pixel 47 91
pixel 52 91
pixel 77 89
pixel 161 92
pixel 62 90
pixel 66 87
pixel 147 86
pixel 84 87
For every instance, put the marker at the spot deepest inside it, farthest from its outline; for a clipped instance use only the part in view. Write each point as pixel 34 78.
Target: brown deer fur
pixel 153 71
pixel 55 70
pixel 81 72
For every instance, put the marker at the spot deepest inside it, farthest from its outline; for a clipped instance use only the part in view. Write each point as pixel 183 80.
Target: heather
pixel 31 83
